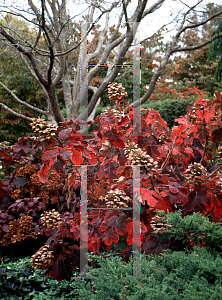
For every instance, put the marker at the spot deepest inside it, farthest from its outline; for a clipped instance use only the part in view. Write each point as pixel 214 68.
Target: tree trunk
pixel 67 92
pixel 51 90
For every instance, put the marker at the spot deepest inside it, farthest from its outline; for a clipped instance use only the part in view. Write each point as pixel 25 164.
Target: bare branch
pixel 93 23
pixel 121 54
pixel 126 17
pixel 15 113
pixel 198 23
pixel 196 47
pixel 22 102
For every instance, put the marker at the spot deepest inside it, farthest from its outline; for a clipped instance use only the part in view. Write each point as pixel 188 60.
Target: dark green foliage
pixel 215 52
pixel 169 109
pixel 19 281
pixel 177 275
pixel 192 274
pixel 195 228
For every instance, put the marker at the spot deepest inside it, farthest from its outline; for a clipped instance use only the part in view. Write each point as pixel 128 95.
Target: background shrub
pixel 168 109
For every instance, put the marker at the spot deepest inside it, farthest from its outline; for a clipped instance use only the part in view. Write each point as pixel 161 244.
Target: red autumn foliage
pixel 186 176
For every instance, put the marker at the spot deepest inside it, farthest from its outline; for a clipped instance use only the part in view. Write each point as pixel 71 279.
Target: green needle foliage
pixel 192 274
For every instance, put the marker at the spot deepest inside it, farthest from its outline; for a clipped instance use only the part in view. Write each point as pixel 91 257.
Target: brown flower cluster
pixel 195 173
pixel 117 198
pixel 42 258
pixel 157 226
pixel 51 219
pixel 28 169
pixel 17 194
pixel 48 192
pixel 116 113
pixel 43 128
pixel 116 90
pixel 137 156
pixel 18 231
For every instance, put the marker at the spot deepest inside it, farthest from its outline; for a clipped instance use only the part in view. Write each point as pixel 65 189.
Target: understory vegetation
pixel 169 177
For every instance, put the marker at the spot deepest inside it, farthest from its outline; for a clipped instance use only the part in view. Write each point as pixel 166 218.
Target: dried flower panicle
pixel 139 157
pixel 48 192
pixel 116 90
pixel 43 128
pixel 195 173
pixel 117 198
pixel 116 113
pixel 157 226
pixel 18 231
pixel 42 258
pixel 51 219
pixel 28 169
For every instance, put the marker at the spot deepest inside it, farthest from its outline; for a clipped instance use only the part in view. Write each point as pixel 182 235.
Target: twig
pixel 168 155
pixel 220 165
pixel 204 151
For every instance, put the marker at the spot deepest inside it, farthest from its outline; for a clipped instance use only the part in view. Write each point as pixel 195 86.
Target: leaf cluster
pixel 179 169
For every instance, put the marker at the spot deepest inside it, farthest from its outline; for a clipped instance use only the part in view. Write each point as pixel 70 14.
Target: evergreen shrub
pixel 168 109
pixel 192 275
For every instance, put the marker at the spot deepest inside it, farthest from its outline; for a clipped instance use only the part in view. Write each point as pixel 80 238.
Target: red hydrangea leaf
pixel 58 164
pixel 106 224
pixel 65 154
pixel 154 246
pixel 121 226
pixel 173 189
pixel 50 154
pixel 43 172
pixel 94 243
pixel 64 134
pixel 71 180
pixel 164 204
pixel 126 254
pixel 76 231
pixel 183 121
pixel 150 196
pixel 19 147
pixel 76 157
pixel 197 201
pixel 41 206
pixel 116 137
pixel 153 116
pixel 129 238
pixel 110 236
pixel 209 114
pixel 217 209
pixel 19 181
pixel 4 215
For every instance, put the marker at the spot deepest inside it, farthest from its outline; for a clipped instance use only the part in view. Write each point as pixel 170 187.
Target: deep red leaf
pixel 116 137
pixel 20 147
pixel 110 236
pixel 50 155
pixel 58 164
pixel 197 201
pixel 76 157
pixel 154 246
pixel 150 196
